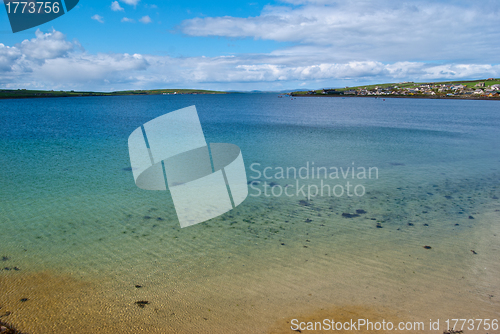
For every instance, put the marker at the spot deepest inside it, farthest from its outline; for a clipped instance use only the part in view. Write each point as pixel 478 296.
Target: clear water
pixel 70 208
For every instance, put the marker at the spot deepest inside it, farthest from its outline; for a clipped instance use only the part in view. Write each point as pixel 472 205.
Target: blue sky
pixel 160 37
pixel 227 45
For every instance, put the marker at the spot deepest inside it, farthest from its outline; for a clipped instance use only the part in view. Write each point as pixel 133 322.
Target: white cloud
pixel 126 19
pixel 131 2
pixel 145 19
pixel 88 68
pixel 98 18
pixel 370 30
pixel 115 6
pixel 8 56
pixel 49 61
pixel 46 46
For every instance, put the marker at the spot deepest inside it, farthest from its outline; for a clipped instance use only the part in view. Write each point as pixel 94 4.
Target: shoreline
pixel 345 285
pixel 34 94
pixel 294 96
pixel 312 290
pixel 405 97
pixel 60 96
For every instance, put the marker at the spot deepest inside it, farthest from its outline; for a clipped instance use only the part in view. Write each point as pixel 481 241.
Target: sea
pixel 382 209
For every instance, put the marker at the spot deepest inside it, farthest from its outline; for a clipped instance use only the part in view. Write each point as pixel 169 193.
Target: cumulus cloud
pixel 18 62
pixel 46 46
pixel 50 61
pixel 98 18
pixel 145 19
pixel 126 19
pixel 87 68
pixel 8 55
pixel 370 30
pixel 115 6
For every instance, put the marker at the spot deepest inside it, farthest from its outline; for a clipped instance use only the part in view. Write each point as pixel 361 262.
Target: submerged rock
pixel 6 328
pixel 142 303
pixel 349 215
pixel 452 331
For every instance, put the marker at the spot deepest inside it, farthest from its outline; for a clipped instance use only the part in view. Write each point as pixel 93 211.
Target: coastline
pixel 406 97
pixel 28 94
pixel 484 89
pixel 334 96
pixel 467 90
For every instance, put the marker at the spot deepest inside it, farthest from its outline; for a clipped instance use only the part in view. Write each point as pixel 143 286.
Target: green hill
pixel 23 93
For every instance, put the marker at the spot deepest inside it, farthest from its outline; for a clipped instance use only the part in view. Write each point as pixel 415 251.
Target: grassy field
pixel 468 84
pixel 23 93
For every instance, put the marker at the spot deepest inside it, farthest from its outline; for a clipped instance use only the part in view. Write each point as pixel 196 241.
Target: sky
pixel 104 45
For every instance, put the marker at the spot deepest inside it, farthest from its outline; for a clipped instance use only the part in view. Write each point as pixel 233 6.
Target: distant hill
pixel 468 89
pixel 23 93
pixel 408 84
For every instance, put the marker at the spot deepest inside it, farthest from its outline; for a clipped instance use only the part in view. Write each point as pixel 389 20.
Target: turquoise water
pixel 69 204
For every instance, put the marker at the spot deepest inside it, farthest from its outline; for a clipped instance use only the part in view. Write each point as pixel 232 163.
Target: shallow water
pixel 83 235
